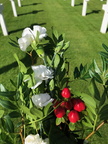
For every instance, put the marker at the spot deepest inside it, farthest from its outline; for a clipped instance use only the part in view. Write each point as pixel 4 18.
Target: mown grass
pixel 82 32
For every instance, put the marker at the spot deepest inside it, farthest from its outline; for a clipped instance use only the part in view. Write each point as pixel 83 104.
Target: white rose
pixel 28 36
pixel 41 73
pixel 34 139
pixel 41 100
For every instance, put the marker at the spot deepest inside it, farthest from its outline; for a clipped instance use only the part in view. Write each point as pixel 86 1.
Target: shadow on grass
pixel 33 12
pixel 31 4
pixel 21 29
pixel 78 4
pixel 26 60
pixel 93 11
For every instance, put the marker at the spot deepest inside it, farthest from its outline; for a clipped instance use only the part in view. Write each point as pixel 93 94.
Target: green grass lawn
pixel 82 32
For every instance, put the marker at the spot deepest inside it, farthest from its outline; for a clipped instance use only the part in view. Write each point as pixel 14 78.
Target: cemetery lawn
pixel 82 32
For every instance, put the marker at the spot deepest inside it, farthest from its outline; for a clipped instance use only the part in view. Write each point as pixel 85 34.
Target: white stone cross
pixel 84 8
pixel 13 8
pixel 19 3
pixel 72 3
pixel 2 22
pixel 105 19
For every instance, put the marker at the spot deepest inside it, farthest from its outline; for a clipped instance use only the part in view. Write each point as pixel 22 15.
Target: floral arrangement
pixel 43 109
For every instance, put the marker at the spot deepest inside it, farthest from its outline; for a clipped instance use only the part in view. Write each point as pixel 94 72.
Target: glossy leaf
pixel 96 68
pixel 104 112
pixel 58 121
pixel 56 61
pixel 46 108
pixel 71 126
pixel 51 85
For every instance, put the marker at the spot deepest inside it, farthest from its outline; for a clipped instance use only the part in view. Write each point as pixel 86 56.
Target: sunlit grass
pixel 82 32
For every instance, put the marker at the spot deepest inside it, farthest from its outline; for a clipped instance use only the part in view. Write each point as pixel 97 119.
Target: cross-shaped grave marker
pixel 19 3
pixel 13 8
pixel 105 18
pixel 2 22
pixel 72 3
pixel 84 8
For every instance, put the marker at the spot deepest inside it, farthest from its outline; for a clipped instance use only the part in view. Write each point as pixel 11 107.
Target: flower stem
pixel 95 130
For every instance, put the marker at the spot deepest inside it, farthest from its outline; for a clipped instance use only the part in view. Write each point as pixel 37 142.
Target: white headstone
pixel 72 3
pixel 13 8
pixel 2 22
pixel 105 19
pixel 19 3
pixel 84 8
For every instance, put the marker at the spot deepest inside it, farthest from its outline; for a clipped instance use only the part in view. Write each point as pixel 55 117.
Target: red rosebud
pixel 67 105
pixel 59 112
pixel 78 104
pixel 66 93
pixel 73 116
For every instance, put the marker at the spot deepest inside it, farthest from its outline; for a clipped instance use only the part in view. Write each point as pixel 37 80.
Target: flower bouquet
pixel 43 109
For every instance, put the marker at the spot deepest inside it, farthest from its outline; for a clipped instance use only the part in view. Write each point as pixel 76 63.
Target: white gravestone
pixel 72 3
pixel 13 8
pixel 2 22
pixel 19 3
pixel 105 19
pixel 84 8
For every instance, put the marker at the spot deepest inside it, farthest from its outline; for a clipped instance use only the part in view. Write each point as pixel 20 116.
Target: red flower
pixel 67 105
pixel 78 104
pixel 73 116
pixel 66 93
pixel 59 112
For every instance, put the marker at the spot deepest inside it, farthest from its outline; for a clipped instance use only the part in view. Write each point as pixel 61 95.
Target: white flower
pixel 28 36
pixel 41 100
pixel 34 139
pixel 41 73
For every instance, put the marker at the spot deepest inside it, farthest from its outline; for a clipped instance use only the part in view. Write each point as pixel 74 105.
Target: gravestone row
pixel 104 24
pixel 2 21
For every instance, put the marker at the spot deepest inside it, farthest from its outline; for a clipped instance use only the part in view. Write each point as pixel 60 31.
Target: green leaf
pixel 103 97
pixel 19 79
pixel 48 60
pixel 56 60
pixel 7 104
pixel 87 124
pixel 104 64
pixel 71 126
pixel 7 94
pixel 55 34
pixel 22 67
pixel 96 68
pixel 59 46
pixel 90 114
pixel 66 46
pixel 37 112
pixel 14 114
pixel 96 76
pixel 104 54
pixel 98 134
pixel 2 88
pixel 58 121
pixel 1 113
pixel 26 110
pixel 9 124
pixel 94 90
pixel 105 47
pixel 51 85
pixel 87 99
pixel 46 108
pixel 104 112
